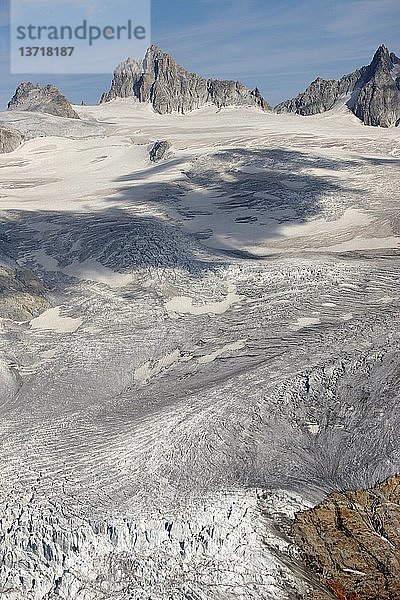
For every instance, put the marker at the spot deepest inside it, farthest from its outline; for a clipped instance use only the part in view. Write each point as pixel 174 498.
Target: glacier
pixel 216 347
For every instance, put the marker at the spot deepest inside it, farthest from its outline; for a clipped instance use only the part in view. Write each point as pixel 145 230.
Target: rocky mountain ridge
pixel 44 99
pixel 378 102
pixel 171 88
pixel 374 92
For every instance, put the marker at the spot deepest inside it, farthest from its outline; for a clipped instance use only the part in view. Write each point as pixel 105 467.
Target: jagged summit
pixel 378 102
pixel 46 99
pixel 158 79
pixel 373 92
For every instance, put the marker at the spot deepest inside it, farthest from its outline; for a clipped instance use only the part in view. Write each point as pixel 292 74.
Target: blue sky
pixel 279 45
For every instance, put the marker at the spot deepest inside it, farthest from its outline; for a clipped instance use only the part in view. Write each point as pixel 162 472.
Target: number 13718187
pixel 46 51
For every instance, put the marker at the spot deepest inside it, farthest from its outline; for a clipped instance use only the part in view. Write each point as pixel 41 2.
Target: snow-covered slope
pixel 221 348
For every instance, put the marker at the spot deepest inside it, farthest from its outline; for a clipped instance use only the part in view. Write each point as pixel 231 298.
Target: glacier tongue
pixel 214 551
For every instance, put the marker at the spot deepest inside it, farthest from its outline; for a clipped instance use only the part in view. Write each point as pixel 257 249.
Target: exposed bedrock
pixel 321 94
pixel 352 542
pixel 374 92
pixel 44 99
pixel 378 102
pixel 158 150
pixel 22 294
pixel 9 140
pixel 170 88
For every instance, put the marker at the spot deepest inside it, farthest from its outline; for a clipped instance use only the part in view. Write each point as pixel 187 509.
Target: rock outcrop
pixel 170 88
pixel 44 99
pixel 378 102
pixel 9 140
pixel 321 95
pixel 352 542
pixel 124 84
pixel 22 294
pixel 159 150
pixel 374 92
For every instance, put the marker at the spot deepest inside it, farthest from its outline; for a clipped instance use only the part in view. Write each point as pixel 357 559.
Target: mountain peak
pixel 381 56
pixel 378 102
pixel 382 49
pixel 155 50
pixel 37 98
pixel 160 80
pixel 373 92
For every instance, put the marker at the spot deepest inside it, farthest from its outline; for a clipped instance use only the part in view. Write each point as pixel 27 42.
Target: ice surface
pixel 222 348
pixel 52 320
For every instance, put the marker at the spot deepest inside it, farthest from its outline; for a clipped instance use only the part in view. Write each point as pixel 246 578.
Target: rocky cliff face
pixel 22 294
pixel 321 95
pixel 126 76
pixel 170 88
pixel 375 92
pixel 352 542
pixel 46 99
pixel 378 102
pixel 9 140
pixel 395 73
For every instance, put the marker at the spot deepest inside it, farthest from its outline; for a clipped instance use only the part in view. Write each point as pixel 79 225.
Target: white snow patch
pixel 360 243
pixel 352 217
pixel 47 262
pixel 354 571
pixel 304 322
pixel 321 172
pixel 184 305
pixel 347 317
pixel 313 428
pixel 51 320
pixel 92 270
pixel 47 354
pixel 153 367
pixel 209 358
